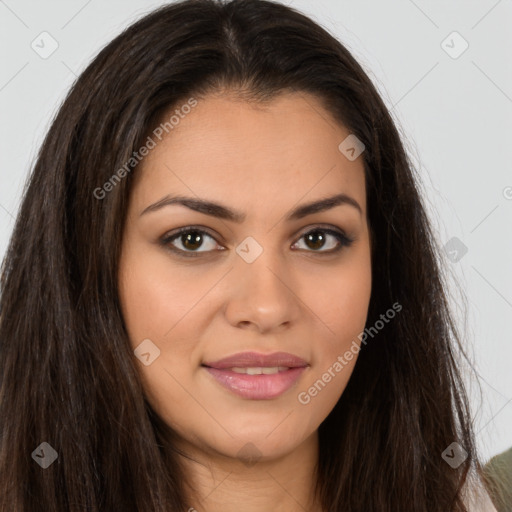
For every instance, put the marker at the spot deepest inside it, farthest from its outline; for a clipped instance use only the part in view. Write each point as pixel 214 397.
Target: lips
pixel 257 376
pixel 255 360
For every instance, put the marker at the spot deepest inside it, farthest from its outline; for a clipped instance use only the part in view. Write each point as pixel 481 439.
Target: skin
pixel 262 161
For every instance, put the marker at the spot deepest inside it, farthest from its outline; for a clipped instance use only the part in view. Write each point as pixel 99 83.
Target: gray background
pixel 455 115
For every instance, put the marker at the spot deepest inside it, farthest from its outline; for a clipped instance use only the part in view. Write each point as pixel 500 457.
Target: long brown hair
pixel 68 374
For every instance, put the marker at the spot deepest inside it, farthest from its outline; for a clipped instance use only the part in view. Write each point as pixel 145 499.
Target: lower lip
pixel 257 387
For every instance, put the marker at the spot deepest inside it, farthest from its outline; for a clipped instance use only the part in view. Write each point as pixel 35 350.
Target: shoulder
pixel 475 495
pixel 501 466
pixel 498 473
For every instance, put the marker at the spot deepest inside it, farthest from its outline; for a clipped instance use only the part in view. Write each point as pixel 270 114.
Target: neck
pixel 217 483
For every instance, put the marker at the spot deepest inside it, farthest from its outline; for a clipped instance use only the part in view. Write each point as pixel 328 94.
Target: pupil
pixel 193 238
pixel 317 238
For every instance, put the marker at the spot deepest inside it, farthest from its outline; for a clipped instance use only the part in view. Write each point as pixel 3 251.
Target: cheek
pixel 155 304
pixel 154 296
pixel 341 304
pixel 342 309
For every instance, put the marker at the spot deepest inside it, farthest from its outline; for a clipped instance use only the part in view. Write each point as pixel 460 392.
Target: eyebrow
pixel 222 212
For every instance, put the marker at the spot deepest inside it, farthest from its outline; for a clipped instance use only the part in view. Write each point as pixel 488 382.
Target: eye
pixel 318 237
pixel 188 240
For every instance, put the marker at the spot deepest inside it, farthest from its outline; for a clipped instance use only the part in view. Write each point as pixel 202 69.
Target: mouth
pixel 257 376
pixel 259 370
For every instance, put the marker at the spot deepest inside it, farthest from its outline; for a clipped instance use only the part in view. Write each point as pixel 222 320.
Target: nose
pixel 263 295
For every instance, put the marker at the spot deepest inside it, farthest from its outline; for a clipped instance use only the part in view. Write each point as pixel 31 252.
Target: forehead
pixel 248 154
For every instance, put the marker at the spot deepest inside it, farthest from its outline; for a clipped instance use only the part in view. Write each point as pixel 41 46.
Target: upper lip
pixel 255 360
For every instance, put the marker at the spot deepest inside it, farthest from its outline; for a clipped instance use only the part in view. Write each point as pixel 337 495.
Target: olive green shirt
pixel 498 472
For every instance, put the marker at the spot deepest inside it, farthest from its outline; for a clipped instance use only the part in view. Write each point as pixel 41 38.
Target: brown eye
pixel 319 238
pixel 196 242
pixel 315 239
pixel 188 241
pixel 191 241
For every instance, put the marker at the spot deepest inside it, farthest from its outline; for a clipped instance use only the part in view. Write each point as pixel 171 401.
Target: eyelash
pixel 343 241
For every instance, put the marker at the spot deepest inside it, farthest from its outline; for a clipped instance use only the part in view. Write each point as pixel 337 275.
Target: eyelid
pixel 186 229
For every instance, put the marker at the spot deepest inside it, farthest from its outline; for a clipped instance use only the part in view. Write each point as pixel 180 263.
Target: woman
pixel 222 288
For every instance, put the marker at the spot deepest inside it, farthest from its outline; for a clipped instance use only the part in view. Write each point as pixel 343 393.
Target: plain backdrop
pixel 443 68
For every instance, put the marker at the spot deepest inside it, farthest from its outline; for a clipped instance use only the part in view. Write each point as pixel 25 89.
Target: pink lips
pixel 260 386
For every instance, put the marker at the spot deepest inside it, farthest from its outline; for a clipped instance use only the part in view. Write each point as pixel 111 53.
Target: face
pixel 256 274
